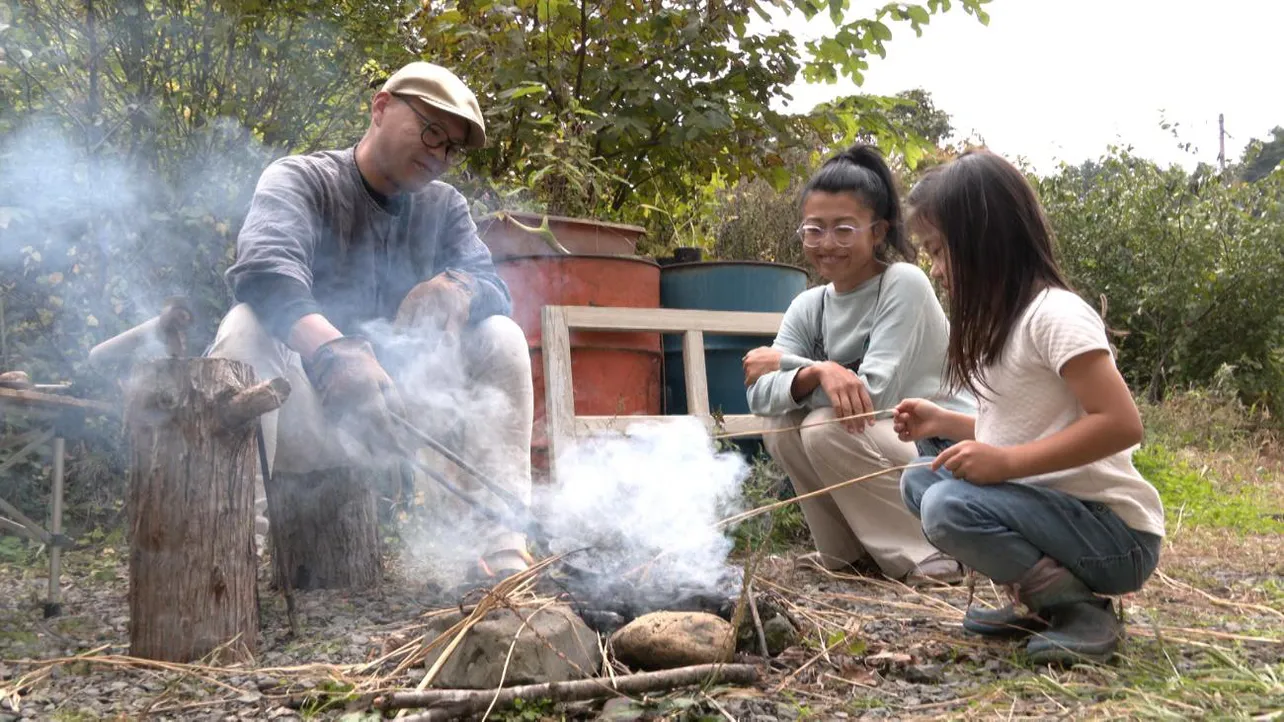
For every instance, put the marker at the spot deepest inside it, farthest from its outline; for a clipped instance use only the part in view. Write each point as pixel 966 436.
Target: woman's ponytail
pixel 861 170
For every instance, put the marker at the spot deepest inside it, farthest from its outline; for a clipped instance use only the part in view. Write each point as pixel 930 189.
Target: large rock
pixel 478 661
pixel 662 640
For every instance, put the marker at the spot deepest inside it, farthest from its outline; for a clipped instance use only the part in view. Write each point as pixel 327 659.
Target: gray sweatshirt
pixel 318 239
pixel 892 325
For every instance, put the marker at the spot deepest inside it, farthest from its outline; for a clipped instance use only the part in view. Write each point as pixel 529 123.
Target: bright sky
pixel 1053 80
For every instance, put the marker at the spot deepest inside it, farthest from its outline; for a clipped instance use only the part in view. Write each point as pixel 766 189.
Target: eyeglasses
pixel 844 235
pixel 435 136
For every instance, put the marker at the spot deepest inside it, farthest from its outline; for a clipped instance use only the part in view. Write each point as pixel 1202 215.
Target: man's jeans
pixel 1001 530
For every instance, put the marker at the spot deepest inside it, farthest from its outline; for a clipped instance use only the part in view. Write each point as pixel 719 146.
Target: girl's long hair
pixel 1000 249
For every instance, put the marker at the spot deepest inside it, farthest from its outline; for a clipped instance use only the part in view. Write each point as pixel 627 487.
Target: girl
pixel 1039 493
pixel 875 334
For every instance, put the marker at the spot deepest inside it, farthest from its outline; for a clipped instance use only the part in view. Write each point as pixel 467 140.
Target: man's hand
pixel 441 303
pixel 917 419
pixel 356 392
pixel 975 462
pixel 760 362
pixel 846 393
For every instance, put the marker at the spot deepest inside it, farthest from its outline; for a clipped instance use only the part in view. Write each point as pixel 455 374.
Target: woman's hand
pixel 847 394
pixel 977 463
pixel 917 419
pixel 760 362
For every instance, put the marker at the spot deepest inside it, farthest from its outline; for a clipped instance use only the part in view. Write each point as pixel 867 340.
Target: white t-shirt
pixel 1028 400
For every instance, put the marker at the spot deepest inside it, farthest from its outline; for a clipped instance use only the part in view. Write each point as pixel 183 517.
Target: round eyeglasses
pixel 435 136
pixel 843 234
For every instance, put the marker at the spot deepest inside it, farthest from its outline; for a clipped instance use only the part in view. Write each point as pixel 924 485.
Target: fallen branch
pixel 447 704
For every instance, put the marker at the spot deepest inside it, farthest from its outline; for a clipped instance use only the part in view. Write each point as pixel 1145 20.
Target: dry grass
pixel 1205 635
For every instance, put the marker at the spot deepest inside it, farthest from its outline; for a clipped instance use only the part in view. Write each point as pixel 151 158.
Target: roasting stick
pixel 776 505
pixel 876 415
pixel 736 519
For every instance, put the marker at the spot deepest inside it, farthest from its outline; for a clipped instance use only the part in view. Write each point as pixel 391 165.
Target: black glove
pixel 356 392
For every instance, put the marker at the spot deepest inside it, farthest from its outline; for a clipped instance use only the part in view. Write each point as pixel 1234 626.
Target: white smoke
pixel 646 503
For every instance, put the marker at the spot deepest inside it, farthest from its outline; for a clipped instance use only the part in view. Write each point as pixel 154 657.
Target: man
pixel 357 267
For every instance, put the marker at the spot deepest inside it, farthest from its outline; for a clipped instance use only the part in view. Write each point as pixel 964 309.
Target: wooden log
pixel 193 460
pixel 325 529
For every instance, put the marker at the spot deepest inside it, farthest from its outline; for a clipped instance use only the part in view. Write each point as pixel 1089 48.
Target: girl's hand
pixel 916 419
pixel 847 393
pixel 977 463
pixel 760 362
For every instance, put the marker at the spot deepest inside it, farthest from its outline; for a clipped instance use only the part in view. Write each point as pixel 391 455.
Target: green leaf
pixel 836 8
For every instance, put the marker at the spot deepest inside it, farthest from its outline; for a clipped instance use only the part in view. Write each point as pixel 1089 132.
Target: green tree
pixel 1189 268
pixel 1262 156
pixel 592 104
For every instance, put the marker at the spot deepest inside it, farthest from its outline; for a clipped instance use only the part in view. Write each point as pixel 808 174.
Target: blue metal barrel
pixel 722 286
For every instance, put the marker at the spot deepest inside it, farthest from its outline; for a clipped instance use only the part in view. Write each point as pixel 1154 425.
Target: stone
pixel 478 661
pixel 925 674
pixel 663 640
pixel 621 709
pixel 780 634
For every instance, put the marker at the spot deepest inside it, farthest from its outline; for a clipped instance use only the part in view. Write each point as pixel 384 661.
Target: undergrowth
pixel 1191 498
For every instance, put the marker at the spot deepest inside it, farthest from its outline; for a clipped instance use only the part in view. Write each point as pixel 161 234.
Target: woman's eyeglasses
pixel 843 234
pixel 435 136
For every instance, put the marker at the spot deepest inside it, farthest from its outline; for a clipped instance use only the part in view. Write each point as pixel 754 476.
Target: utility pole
pixel 1221 140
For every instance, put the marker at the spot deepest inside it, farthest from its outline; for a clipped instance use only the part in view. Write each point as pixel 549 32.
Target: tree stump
pixel 325 529
pixel 193 459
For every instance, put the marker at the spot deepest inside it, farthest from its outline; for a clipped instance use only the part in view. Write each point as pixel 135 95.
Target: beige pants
pixel 864 519
pixel 474 394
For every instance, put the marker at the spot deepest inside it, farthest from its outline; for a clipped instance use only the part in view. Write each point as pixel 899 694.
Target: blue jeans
pixel 1001 530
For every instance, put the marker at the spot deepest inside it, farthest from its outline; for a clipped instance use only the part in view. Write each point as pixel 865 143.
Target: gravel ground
pixel 870 649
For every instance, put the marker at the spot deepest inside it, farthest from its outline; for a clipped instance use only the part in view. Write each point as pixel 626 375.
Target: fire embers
pixel 607 599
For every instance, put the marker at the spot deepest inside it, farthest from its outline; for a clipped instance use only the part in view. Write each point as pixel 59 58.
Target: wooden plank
pixel 559 393
pixel 672 320
pixel 732 423
pixel 42 401
pixel 696 380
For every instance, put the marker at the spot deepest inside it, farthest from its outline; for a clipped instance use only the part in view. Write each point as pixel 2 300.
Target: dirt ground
pixel 1206 638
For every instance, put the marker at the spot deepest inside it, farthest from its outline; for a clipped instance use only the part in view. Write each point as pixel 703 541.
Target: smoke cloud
pixel 645 505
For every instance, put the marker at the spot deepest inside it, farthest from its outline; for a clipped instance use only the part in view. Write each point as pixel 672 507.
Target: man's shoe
pixel 1077 632
pixel 937 568
pixel 1002 623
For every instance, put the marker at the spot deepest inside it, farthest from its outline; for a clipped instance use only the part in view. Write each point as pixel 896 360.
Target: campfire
pixel 608 593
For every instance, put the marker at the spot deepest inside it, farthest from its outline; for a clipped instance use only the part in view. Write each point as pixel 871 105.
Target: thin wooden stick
pixel 829 489
pixel 457 703
pixel 503 673
pixel 794 674
pixel 885 413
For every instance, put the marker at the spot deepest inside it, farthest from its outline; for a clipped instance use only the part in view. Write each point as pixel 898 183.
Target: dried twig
pixel 794 674
pixel 1217 600
pixel 456 703
pixel 757 620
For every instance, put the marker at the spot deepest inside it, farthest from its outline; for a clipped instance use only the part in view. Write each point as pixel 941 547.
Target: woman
pixel 872 336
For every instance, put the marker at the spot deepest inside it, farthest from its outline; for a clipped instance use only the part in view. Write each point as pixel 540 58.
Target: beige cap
pixel 443 90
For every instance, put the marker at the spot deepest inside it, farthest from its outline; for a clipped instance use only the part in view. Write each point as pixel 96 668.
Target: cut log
pixel 325 528
pixel 193 460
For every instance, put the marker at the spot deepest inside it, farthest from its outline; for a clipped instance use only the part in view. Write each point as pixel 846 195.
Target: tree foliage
pixel 1190 268
pixel 1263 156
pixel 594 104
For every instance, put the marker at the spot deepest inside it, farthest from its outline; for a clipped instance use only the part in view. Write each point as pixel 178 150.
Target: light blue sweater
pixel 899 329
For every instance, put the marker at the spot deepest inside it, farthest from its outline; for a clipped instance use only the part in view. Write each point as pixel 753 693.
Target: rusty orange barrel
pixel 612 373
